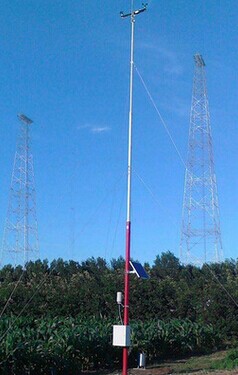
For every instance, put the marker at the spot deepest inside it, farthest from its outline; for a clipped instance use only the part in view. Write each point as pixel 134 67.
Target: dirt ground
pixel 193 365
pixel 152 371
pixel 232 372
pixel 167 371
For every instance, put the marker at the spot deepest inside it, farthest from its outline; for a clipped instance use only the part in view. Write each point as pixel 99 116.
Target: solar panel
pixel 138 270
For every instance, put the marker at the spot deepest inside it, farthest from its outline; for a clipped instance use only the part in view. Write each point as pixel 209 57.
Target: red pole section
pixel 126 292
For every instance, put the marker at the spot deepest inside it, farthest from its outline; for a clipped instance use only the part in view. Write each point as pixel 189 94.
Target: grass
pixel 197 363
pixel 230 361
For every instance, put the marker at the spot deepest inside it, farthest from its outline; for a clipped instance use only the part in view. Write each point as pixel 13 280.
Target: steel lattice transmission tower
pixel 20 238
pixel 200 233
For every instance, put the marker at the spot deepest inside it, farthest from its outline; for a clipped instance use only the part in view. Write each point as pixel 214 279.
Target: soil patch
pixel 151 371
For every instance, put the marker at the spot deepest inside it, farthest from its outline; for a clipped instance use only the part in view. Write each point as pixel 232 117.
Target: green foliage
pixel 173 291
pixel 77 343
pixel 194 312
pixel 161 339
pixel 230 361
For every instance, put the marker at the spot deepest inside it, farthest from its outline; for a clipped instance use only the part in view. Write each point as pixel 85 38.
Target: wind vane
pixel 135 12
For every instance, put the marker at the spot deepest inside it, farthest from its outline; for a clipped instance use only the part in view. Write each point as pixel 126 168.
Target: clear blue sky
pixel 65 64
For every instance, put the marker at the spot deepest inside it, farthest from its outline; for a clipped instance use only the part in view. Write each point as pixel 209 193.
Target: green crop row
pixel 69 345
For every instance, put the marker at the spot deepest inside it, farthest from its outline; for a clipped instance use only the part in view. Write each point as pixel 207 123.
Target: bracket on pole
pixel 135 12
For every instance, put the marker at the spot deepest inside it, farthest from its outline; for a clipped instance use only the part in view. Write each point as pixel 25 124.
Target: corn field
pixel 70 345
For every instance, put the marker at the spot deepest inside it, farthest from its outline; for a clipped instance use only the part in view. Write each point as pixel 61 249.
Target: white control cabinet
pixel 121 336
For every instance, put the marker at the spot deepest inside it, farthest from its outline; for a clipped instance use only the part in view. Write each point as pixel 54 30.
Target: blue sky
pixel 65 64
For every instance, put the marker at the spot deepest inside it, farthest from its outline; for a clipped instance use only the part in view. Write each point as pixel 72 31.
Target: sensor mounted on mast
pixel 135 12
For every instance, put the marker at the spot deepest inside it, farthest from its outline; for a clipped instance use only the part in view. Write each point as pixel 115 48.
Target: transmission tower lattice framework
pixel 20 238
pixel 200 233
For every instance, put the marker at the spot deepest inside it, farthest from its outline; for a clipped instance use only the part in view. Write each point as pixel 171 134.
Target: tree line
pixel 207 294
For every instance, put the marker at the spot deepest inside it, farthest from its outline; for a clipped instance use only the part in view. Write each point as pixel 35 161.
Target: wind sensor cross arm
pixel 135 12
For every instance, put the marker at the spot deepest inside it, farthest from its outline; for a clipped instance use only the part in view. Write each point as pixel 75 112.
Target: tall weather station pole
pixel 132 16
